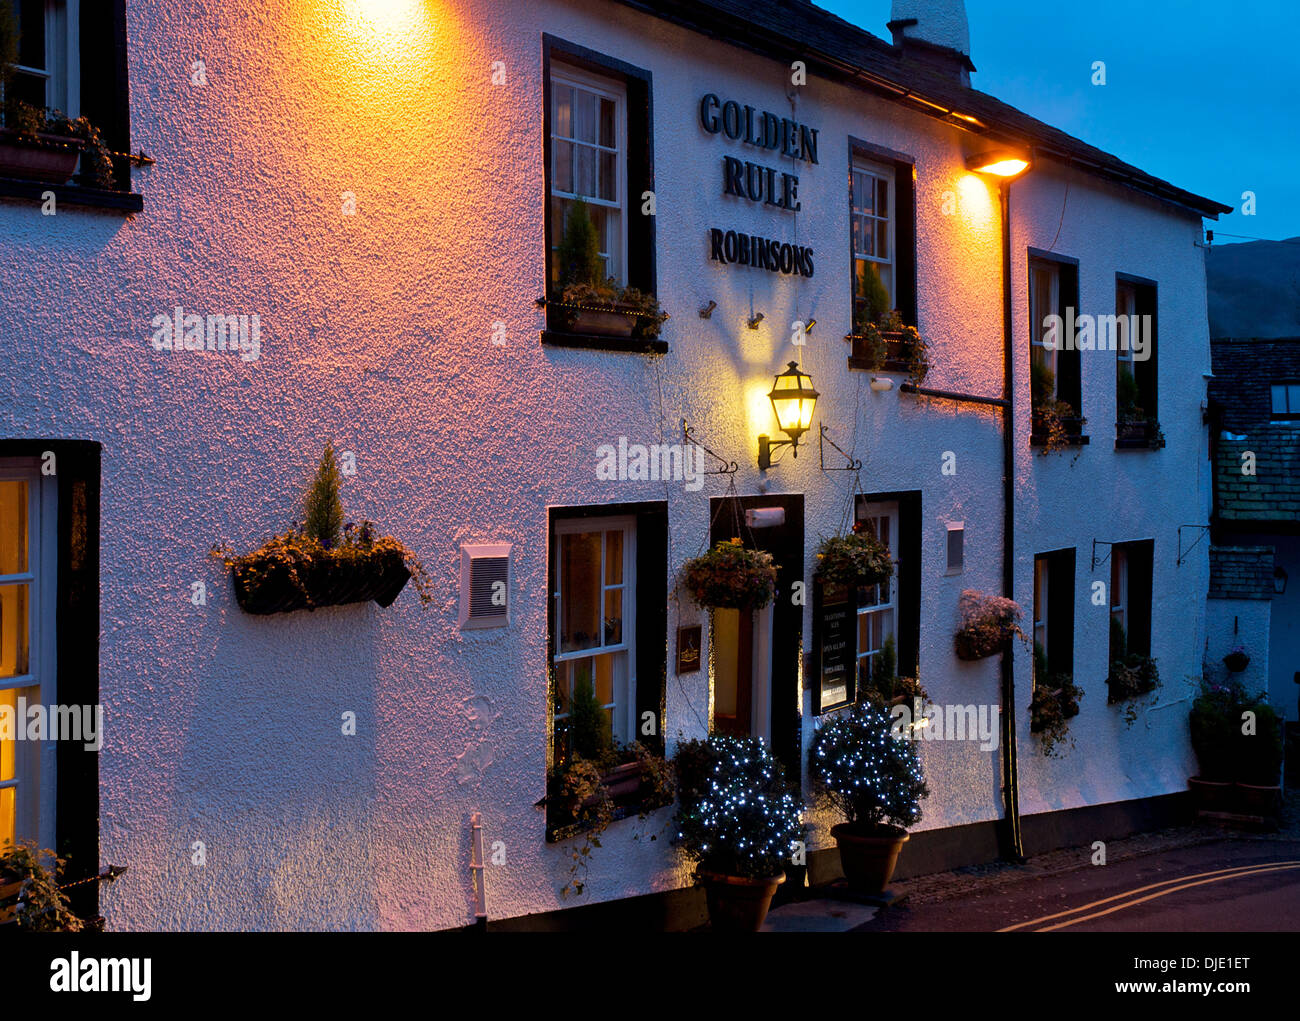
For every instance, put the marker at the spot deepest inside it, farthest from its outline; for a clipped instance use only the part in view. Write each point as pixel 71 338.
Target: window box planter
pixel 1140 435
pixel 48 158
pixel 889 351
pixel 988 623
pixel 327 579
pixel 1071 426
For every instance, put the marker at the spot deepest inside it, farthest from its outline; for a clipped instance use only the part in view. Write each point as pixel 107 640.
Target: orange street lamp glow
pixel 998 162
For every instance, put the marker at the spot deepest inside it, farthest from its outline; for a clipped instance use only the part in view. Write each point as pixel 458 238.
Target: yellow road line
pixel 1227 873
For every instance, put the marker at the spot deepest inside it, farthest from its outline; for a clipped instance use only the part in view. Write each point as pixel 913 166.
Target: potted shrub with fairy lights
pixel 730 576
pixel 1237 738
pixel 1054 703
pixel 881 340
pixel 323 562
pixel 988 624
pixel 738 821
pixel 590 303
pixel 38 144
pixel 874 780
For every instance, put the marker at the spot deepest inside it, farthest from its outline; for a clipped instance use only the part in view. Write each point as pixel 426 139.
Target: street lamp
pixel 793 400
pixel 1002 162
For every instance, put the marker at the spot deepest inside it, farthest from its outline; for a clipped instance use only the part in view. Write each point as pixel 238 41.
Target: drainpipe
pixel 1012 848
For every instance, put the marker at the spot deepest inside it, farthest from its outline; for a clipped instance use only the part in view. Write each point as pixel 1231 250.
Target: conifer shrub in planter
pixel 730 576
pixel 1237 738
pixel 1055 702
pixel 325 562
pixel 738 821
pixel 590 303
pixel 988 623
pixel 882 685
pixel 873 778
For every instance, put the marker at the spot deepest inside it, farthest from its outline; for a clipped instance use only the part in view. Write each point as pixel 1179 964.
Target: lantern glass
pixel 793 400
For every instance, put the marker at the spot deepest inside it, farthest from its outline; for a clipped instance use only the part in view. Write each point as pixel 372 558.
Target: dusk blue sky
pixel 1205 95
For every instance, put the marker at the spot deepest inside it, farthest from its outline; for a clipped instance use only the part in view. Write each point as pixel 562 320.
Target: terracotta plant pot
pixel 868 855
pixel 52 159
pixel 1258 799
pixel 1211 795
pixel 327 583
pixel 737 904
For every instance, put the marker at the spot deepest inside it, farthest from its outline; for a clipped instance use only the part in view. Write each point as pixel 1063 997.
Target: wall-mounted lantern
pixel 793 400
pixel 1002 162
pixel 1279 580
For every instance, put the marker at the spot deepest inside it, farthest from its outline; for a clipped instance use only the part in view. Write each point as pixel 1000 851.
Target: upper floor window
pixel 588 151
pixel 1054 368
pixel 872 222
pixel 1136 376
pixel 1285 398
pixel 46 72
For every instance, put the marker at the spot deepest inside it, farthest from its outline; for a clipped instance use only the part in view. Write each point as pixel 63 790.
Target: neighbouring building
pixel 343 214
pixel 1255 444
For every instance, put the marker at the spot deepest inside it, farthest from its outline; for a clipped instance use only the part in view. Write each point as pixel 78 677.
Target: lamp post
pixel 793 400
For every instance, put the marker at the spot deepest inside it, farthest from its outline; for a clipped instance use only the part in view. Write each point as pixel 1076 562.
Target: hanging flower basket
pixel 729 576
pixel 1237 660
pixel 988 623
pixel 853 560
pixel 1051 709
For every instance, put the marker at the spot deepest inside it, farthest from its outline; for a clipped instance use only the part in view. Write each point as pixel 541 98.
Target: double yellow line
pixel 1130 898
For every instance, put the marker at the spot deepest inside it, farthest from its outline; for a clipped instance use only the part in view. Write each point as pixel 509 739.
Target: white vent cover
pixel 956 546
pixel 485 585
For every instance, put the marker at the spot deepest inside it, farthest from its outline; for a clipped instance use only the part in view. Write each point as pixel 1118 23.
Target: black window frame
pixel 1138 600
pixel 1069 364
pixel 1062 565
pixel 1147 372
pixel 1283 416
pixel 905 262
pixel 640 177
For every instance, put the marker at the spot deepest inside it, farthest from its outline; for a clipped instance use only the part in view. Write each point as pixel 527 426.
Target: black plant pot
pixel 326 582
pixel 1236 661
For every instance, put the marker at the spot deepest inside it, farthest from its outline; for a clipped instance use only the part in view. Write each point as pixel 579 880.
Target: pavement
pixel 1199 878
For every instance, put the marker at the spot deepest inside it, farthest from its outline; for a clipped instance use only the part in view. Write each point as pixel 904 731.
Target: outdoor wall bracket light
pixel 707 310
pixel 1005 162
pixel 793 400
pixel 1279 580
pixel 728 467
pixel 855 464
pixel 755 320
pixel 880 385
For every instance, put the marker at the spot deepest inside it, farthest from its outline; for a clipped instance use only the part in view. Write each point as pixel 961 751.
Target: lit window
pixel 871 222
pixel 878 604
pixel 46 72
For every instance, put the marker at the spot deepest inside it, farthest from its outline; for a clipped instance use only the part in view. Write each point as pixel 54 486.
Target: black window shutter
pixel 1145 372
pixel 1140 565
pixel 105 99
pixel 1069 380
pixel 905 241
pixel 651 620
pixel 1060 612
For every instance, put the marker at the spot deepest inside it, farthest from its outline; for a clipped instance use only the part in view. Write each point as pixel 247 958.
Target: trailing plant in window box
pixel 889 344
pixel 1054 422
pixel 854 560
pixel 324 562
pixel 587 301
pixel 1132 674
pixel 731 576
pixel 988 624
pixel 1055 703
pixel 738 820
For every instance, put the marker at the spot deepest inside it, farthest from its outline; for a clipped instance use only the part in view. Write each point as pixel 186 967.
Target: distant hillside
pixel 1254 289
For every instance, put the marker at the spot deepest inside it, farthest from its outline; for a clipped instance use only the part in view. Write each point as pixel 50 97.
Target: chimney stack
pixel 934 32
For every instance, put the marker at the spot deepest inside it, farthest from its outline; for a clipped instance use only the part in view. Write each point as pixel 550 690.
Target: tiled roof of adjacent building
pixel 1244 372
pixel 793 30
pixel 1241 572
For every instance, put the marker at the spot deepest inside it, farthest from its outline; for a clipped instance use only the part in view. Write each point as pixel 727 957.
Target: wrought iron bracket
pixel 854 464
pixel 728 467
pixel 1100 542
pixel 1182 553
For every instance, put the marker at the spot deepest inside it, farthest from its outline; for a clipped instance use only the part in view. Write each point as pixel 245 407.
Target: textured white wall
pixel 376 331
pixel 1232 622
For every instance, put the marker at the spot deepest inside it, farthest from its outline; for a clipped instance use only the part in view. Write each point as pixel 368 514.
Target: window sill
pixel 1040 440
pixel 596 342
pixel 1138 445
pixel 72 195
pixel 889 365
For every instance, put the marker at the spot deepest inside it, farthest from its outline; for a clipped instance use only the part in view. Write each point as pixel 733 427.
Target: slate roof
pixel 1244 371
pixel 1241 572
pixel 792 30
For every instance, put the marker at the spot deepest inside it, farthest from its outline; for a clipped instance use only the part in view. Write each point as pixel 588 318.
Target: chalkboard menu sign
pixel 835 641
